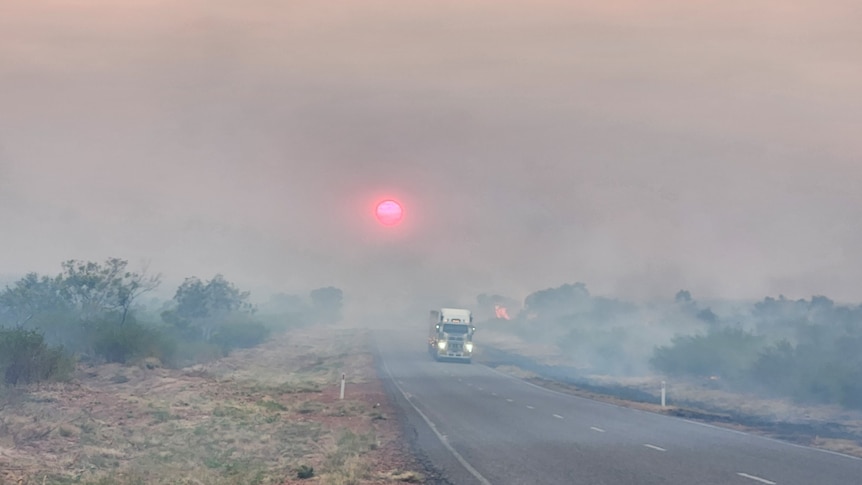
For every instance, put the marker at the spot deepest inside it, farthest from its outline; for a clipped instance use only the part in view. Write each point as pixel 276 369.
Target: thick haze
pixel 640 147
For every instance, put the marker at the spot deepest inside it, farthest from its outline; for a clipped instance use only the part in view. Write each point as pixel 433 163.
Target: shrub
pixel 812 373
pixel 776 369
pixel 304 471
pixel 122 343
pixel 25 358
pixel 727 352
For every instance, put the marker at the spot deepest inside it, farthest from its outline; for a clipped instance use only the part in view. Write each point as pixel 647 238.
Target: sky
pixel 639 147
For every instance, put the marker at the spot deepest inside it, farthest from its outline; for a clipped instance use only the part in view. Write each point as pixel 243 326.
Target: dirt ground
pixel 259 416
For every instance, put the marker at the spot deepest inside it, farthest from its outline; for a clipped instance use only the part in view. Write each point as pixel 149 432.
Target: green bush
pixel 26 358
pixel 123 343
pixel 727 352
pixel 776 369
pixel 851 390
pixel 822 373
pixel 304 471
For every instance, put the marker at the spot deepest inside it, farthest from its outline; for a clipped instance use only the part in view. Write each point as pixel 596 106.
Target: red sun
pixel 389 213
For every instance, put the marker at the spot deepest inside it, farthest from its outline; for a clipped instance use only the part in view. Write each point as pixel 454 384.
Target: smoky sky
pixel 712 146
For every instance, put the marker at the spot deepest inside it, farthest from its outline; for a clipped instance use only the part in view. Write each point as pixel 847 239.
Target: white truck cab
pixel 451 334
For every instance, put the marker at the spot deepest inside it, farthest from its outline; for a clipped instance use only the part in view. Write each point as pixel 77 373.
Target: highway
pixel 478 426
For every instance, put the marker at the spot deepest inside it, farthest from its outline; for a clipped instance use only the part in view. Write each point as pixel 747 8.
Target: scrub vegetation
pixel 91 312
pixel 806 350
pixel 216 391
pixel 788 369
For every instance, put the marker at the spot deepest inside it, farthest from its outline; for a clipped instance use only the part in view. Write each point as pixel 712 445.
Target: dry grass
pixel 848 447
pixel 404 477
pixel 344 463
pixel 251 418
pixel 517 372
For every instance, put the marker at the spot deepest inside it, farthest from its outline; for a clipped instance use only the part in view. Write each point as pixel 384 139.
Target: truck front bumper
pixel 454 355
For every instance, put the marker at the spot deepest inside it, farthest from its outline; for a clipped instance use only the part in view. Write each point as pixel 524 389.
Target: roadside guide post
pixel 663 392
pixel 342 387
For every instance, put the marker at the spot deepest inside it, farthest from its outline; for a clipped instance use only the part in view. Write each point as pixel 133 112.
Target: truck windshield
pixel 453 328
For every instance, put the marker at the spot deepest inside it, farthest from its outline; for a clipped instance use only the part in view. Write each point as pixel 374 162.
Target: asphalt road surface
pixel 477 426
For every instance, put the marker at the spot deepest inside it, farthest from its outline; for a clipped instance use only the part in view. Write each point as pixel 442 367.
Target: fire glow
pixel 501 312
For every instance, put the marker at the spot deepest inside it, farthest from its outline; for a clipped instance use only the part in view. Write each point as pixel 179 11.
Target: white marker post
pixel 663 393
pixel 342 387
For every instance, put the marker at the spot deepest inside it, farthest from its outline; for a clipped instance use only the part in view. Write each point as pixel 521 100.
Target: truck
pixel 450 334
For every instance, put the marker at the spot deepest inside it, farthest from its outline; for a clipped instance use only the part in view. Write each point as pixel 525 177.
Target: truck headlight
pixel 441 345
pixel 469 347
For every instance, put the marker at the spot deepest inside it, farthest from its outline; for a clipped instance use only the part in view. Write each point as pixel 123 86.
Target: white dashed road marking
pixel 530 407
pixel 654 447
pixel 756 479
pixel 600 430
pixel 509 400
pixel 558 416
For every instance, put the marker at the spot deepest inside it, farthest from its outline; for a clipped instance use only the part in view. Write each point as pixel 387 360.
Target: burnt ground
pixel 825 427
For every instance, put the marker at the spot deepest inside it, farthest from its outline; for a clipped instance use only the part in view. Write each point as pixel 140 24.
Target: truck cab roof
pixel 456 314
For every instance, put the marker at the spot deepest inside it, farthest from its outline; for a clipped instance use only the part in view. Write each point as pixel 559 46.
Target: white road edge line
pixel 757 479
pixel 774 440
pixel 634 410
pixel 654 447
pixel 600 430
pixel 558 416
pixel 461 460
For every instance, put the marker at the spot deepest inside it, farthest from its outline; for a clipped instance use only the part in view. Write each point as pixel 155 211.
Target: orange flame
pixel 501 312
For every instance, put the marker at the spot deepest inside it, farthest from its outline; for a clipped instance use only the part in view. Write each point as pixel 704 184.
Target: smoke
pixel 642 148
pixel 607 336
pixel 805 350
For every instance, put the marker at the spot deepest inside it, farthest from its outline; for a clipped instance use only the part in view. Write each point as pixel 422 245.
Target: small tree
pixel 552 303
pixel 25 358
pixel 31 296
pixel 683 296
pixel 200 307
pixel 95 289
